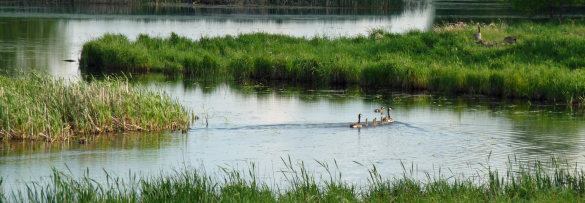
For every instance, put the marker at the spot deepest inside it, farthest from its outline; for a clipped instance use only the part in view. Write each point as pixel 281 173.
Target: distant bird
pixel 366 125
pixel 374 122
pixel 510 40
pixel 477 36
pixel 381 110
pixel 357 125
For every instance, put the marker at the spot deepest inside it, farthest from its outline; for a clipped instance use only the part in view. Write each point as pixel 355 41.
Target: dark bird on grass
pixel 477 36
pixel 357 125
pixel 510 39
pixel 381 110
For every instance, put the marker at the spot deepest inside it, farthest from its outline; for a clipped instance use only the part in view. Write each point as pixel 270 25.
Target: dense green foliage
pixel 42 108
pixel 550 181
pixel 546 63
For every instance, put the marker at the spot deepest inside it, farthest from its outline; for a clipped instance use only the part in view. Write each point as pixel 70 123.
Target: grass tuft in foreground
pixel 546 63
pixel 547 181
pixel 37 107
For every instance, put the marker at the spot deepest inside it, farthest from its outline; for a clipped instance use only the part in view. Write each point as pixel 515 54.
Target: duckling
pixel 477 36
pixel 482 42
pixel 510 39
pixel 374 122
pixel 366 125
pixel 381 110
pixel 357 125
pixel 383 121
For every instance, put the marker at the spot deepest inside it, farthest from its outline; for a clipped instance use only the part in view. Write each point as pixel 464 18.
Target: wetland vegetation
pixel 379 4
pixel 545 64
pixel 550 180
pixel 37 107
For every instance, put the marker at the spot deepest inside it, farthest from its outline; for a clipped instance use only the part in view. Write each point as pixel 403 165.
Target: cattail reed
pixel 36 107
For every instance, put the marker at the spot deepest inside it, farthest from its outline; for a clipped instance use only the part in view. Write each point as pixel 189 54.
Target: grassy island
pixel 546 181
pixel 35 107
pixel 546 62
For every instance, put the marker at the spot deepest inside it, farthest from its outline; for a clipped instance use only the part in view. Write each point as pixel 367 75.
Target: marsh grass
pixel 536 181
pixel 545 64
pixel 37 107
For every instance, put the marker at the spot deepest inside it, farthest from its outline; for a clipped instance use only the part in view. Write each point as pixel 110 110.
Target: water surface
pixel 259 123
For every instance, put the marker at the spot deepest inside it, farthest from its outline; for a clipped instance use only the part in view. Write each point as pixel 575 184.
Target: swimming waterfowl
pixel 357 125
pixel 477 36
pixel 366 125
pixel 374 122
pixel 388 119
pixel 510 39
pixel 381 110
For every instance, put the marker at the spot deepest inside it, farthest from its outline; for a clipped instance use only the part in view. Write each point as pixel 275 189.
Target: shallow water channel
pixel 262 122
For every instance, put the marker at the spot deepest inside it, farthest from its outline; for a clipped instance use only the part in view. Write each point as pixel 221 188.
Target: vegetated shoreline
pixel 37 107
pixel 539 181
pixel 378 4
pixel 545 64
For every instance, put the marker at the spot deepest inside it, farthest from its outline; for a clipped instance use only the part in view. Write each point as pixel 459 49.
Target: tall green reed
pixel 534 181
pixel 39 107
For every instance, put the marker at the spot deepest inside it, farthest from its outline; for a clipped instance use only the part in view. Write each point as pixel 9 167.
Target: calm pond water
pixel 262 123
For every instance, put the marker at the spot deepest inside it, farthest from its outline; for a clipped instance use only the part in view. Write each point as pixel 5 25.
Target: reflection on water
pixel 31 161
pixel 105 142
pixel 41 36
pixel 33 44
